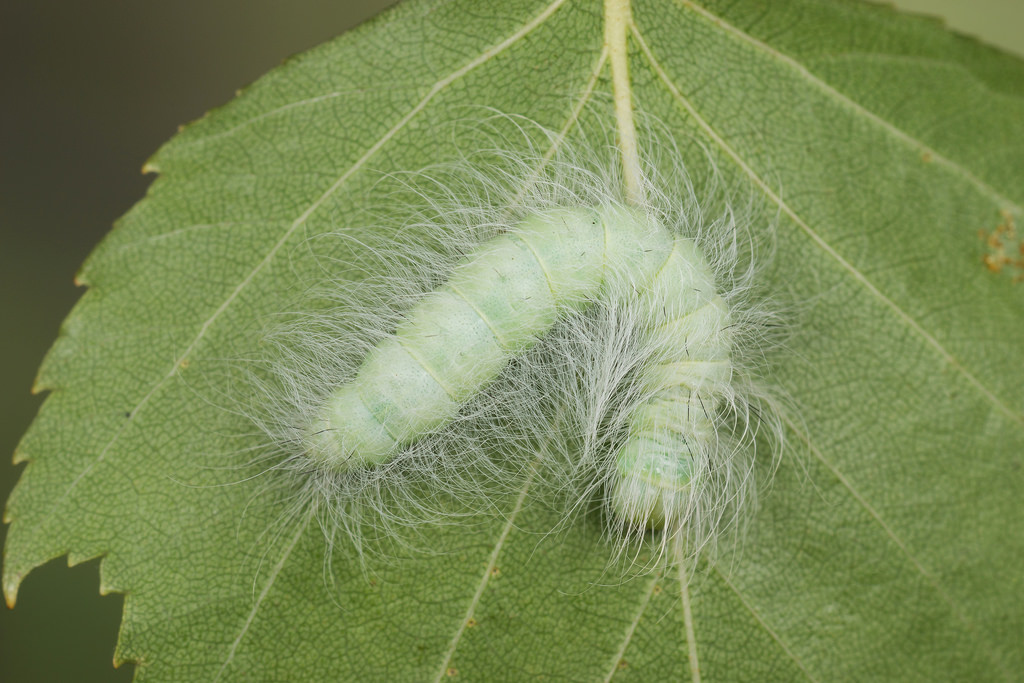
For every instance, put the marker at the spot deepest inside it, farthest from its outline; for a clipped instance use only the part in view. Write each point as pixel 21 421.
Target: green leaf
pixel 892 550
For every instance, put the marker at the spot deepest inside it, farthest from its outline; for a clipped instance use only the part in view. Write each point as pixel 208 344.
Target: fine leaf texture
pixel 889 546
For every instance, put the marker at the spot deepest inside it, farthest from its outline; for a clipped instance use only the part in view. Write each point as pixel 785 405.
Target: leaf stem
pixel 617 19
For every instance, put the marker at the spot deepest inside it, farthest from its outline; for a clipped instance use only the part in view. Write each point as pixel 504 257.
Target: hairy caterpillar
pixel 500 300
pixel 513 312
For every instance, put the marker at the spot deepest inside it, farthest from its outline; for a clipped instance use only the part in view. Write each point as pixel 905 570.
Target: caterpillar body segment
pixel 507 294
pixel 672 432
pixel 498 301
pixel 672 435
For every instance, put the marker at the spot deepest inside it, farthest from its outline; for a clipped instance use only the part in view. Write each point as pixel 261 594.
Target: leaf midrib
pixel 431 94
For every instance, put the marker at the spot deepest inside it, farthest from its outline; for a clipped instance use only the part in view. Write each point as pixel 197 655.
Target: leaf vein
pixel 259 600
pixel 438 87
pixel 915 326
pixel 928 576
pixel 983 187
pixel 684 595
pixel 768 629
pixel 631 629
pixel 559 139
pixel 492 561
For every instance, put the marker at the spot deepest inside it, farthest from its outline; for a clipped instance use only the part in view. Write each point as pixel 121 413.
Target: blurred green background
pixel 90 90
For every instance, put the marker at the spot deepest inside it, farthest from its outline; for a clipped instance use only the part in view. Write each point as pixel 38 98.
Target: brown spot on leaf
pixel 1004 248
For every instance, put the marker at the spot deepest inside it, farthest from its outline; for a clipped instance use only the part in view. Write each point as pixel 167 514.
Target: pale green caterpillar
pixel 506 295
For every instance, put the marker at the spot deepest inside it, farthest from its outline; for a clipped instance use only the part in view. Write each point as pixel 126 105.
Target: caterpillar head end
pixel 653 488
